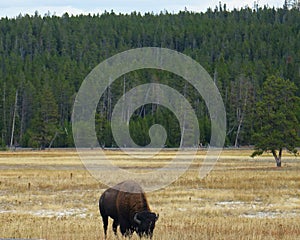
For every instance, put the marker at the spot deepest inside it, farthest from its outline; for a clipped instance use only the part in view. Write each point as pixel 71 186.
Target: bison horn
pixel 136 219
pixel 157 216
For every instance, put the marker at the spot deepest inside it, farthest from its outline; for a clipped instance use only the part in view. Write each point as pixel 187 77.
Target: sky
pixel 12 8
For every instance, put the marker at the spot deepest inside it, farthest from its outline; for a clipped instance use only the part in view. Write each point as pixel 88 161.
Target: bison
pixel 127 205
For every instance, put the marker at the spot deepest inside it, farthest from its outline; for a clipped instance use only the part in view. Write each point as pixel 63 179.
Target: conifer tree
pixel 277 120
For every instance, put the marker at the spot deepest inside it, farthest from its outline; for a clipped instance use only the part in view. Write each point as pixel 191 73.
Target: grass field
pixel 50 195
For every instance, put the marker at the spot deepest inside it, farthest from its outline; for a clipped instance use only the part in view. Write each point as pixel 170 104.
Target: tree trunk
pixel 13 122
pixel 236 143
pixel 241 114
pixel 278 162
pixel 4 128
pixel 50 145
pixel 124 100
pixel 183 120
pixel 277 158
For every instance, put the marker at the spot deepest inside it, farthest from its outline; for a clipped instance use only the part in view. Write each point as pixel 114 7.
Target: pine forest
pixel 44 59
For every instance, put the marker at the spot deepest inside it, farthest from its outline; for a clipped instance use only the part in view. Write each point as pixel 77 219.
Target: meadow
pixel 50 195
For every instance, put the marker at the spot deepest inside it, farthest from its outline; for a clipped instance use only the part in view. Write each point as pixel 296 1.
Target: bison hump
pixel 129 186
pixel 131 198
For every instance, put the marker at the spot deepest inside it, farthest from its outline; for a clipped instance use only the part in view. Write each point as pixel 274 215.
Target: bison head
pixel 145 222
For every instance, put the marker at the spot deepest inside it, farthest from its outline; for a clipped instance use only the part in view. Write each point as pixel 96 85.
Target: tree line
pixel 44 59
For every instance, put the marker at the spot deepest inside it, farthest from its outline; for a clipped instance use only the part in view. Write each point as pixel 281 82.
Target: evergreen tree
pixel 278 123
pixel 44 125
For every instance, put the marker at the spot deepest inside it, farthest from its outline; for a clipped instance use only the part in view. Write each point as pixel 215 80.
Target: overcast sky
pixel 12 8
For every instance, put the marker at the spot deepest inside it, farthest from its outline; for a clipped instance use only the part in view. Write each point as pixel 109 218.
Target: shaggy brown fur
pixel 127 205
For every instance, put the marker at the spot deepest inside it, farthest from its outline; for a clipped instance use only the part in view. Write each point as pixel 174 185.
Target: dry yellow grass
pixel 50 195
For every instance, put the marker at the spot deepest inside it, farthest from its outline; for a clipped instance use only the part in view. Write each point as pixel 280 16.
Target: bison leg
pixel 115 226
pixel 125 229
pixel 105 223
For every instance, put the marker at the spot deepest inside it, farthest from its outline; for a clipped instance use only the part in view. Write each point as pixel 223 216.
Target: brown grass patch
pixel 50 195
